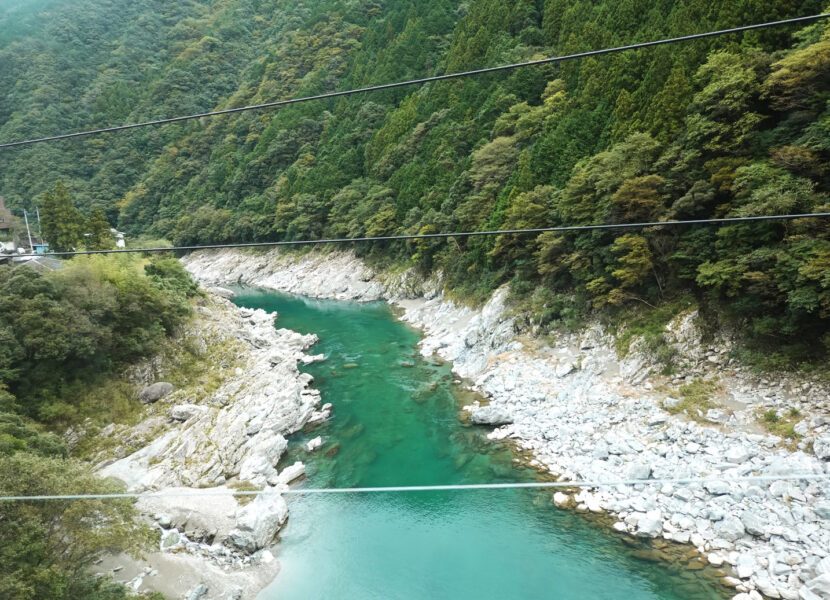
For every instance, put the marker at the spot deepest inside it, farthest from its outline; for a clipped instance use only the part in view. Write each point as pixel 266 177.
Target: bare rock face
pixel 239 430
pixel 258 523
pixel 155 392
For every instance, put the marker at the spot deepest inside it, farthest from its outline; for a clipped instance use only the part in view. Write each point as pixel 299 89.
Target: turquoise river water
pixel 396 422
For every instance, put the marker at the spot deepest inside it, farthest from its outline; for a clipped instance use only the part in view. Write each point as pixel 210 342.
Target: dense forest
pixel 62 335
pixel 730 126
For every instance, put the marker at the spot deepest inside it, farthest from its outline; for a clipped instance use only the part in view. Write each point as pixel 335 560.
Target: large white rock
pixel 717 487
pixel 737 454
pixel 490 415
pixel 259 464
pixel 821 447
pixel 753 524
pixel 258 523
pixel 745 566
pixel 730 528
pixel 183 412
pixel 561 499
pixel 289 474
pixel 639 471
pixel 651 525
pixel 816 589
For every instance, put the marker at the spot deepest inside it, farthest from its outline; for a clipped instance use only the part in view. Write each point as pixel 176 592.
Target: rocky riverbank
pixel 587 414
pixel 224 426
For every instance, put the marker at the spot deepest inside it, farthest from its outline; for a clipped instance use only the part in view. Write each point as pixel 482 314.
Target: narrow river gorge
pixel 396 421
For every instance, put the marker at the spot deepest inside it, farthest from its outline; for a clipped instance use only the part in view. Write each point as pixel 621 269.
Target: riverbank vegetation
pixel 62 336
pixel 728 126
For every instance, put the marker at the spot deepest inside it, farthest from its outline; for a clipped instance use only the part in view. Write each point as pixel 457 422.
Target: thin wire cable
pixel 422 488
pixel 388 86
pixel 422 236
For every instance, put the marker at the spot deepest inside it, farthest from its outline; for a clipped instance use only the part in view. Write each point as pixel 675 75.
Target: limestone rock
pixel 669 403
pixel 717 415
pixel 155 392
pixel 816 589
pixel 490 416
pixel 600 451
pixel 821 447
pixel 639 471
pixel 259 465
pixel 561 499
pixel 198 592
pixel 737 454
pixel 717 487
pixel 289 474
pixel 745 566
pixel 183 412
pixel 730 529
pixel 258 523
pixel 312 445
pixel 651 525
pixel 564 369
pixel 753 524
pixel 170 539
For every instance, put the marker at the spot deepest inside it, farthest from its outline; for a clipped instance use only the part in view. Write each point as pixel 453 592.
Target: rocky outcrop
pixel 340 276
pixel 229 426
pixel 258 523
pixel 587 414
pixel 239 429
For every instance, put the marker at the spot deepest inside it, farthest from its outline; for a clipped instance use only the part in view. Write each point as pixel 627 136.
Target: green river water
pixel 396 422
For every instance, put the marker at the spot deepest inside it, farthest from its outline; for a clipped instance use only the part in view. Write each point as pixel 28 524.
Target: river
pixel 396 422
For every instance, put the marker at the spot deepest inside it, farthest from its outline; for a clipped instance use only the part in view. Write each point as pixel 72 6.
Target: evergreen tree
pixel 98 234
pixel 62 223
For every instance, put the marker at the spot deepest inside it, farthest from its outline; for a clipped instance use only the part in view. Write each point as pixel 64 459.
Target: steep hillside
pixel 736 125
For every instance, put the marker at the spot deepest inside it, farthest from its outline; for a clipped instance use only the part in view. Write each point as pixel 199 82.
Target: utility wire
pixel 422 236
pixel 422 488
pixel 423 80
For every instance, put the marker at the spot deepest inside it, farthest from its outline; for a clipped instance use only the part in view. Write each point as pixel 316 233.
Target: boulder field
pixel 587 414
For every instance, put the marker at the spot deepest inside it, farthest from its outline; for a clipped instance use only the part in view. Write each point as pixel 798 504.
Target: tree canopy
pixel 727 126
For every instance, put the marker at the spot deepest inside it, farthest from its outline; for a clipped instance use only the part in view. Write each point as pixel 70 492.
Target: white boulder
pixel 258 523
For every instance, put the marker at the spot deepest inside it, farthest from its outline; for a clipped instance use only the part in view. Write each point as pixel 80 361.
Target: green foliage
pixel 98 236
pixel 62 223
pixel 696 399
pixel 73 326
pixel 63 334
pixel 725 126
pixel 782 425
pixel 47 547
pixel 16 435
pixel 640 321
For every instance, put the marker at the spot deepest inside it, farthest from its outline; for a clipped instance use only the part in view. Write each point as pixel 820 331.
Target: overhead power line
pixel 424 488
pixel 423 236
pixel 388 86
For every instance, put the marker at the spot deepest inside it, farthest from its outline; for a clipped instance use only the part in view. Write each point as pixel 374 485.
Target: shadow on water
pixel 396 422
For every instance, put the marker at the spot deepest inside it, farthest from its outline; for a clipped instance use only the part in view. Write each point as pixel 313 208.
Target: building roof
pixel 38 263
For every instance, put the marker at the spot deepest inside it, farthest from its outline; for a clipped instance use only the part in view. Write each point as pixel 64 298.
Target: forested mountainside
pixel 728 126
